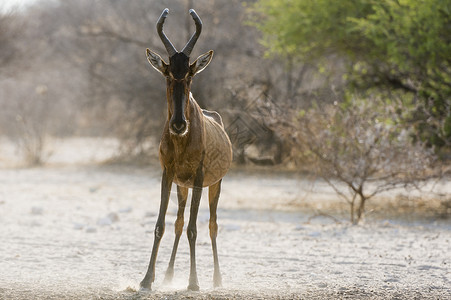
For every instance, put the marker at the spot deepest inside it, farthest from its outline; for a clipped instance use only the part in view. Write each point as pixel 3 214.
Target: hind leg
pixel 182 195
pixel 213 198
pixel 192 228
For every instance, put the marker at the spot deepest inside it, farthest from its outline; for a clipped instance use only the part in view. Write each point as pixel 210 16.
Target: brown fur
pixel 182 154
pixel 195 152
pixel 198 158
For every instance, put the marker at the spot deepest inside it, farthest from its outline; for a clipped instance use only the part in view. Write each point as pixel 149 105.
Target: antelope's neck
pixel 187 150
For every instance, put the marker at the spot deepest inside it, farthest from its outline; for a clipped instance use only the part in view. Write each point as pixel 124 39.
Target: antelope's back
pixel 218 152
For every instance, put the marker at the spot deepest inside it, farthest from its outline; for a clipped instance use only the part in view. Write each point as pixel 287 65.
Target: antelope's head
pixel 179 73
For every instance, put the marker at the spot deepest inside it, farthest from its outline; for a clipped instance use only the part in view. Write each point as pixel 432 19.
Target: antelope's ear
pixel 157 62
pixel 201 63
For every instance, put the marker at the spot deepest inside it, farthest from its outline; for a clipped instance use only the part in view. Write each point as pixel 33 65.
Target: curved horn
pixel 190 45
pixel 167 43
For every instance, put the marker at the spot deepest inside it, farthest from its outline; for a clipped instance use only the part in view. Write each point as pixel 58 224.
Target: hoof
pixel 168 277
pixel 145 286
pixel 193 287
pixel 144 290
pixel 217 281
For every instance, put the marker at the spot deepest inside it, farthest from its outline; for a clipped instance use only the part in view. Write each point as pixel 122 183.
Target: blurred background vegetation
pixel 356 91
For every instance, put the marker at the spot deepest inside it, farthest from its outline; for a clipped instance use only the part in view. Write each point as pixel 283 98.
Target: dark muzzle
pixel 178 127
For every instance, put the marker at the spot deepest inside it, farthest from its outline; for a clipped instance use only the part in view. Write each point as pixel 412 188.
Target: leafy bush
pixel 362 145
pixel 389 45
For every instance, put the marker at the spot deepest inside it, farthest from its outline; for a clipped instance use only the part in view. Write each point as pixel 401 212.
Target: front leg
pixel 166 184
pixel 192 227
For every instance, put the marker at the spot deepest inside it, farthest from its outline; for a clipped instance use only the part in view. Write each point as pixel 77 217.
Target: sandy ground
pixel 83 231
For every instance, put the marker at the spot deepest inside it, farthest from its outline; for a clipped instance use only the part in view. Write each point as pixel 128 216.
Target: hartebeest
pixel 195 152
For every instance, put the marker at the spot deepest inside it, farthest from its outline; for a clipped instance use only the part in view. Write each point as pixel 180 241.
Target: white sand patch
pixel 72 151
pixel 87 232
